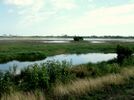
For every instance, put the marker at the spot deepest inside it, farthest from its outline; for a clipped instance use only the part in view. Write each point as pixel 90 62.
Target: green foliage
pixel 58 71
pixel 43 76
pixel 128 61
pixel 35 77
pixel 22 56
pixel 123 53
pixel 103 68
pixel 6 83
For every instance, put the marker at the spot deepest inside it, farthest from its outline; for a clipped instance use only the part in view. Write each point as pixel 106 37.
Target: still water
pixel 67 40
pixel 75 59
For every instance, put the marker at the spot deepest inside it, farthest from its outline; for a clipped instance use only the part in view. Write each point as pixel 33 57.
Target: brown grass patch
pixel 24 96
pixel 82 86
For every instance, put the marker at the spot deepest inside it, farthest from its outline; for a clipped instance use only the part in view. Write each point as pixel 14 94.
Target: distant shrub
pixel 77 38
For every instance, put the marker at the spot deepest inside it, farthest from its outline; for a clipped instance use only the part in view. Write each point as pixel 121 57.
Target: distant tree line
pixel 67 36
pixel 94 36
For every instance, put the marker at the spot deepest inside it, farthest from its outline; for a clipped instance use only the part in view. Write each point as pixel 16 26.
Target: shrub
pixel 77 38
pixel 34 77
pixel 122 53
pixel 58 71
pixel 6 83
pixel 44 76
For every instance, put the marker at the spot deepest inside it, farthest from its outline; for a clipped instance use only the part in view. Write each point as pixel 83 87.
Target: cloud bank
pixel 73 16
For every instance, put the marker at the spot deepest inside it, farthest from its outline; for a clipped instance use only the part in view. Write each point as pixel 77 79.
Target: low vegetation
pixel 24 96
pixel 62 81
pixel 36 50
pixel 82 86
pixel 22 56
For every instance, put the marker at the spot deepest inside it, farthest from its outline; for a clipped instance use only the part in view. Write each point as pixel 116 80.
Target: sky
pixel 67 17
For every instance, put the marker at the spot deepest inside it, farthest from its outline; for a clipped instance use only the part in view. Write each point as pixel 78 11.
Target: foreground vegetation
pixel 35 50
pixel 62 81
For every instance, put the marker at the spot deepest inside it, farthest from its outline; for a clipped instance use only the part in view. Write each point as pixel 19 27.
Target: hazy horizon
pixel 67 17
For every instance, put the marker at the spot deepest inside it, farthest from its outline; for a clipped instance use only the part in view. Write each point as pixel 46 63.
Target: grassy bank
pixel 35 50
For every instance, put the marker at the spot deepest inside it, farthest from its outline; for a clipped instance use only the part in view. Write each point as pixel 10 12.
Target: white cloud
pixel 29 11
pixel 32 14
pixel 19 2
pixel 90 0
pixel 34 11
pixel 103 17
pixel 131 1
pixel 63 4
pixel 111 15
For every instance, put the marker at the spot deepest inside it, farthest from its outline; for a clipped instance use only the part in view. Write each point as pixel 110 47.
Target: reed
pixel 82 86
pixel 24 96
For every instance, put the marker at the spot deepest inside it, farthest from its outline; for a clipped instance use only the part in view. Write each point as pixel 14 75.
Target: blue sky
pixel 71 17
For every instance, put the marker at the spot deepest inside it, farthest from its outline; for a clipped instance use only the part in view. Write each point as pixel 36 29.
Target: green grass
pixel 10 50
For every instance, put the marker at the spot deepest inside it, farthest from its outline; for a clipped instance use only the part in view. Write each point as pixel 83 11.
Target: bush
pixel 44 76
pixel 58 71
pixel 77 38
pixel 123 53
pixel 6 83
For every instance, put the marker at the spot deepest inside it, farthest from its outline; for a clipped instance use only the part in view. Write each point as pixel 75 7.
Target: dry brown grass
pixel 83 86
pixel 80 71
pixel 24 96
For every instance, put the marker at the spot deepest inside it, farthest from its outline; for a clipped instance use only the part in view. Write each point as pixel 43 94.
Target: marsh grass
pixel 24 96
pixel 95 70
pixel 11 50
pixel 22 56
pixel 82 86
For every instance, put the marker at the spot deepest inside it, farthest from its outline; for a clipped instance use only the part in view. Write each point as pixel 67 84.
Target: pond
pixel 75 59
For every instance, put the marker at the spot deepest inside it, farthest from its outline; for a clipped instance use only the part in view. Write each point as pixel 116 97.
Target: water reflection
pixel 61 41
pixel 74 58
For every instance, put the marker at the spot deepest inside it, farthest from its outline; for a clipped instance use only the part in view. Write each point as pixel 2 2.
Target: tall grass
pixel 82 86
pixel 24 96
